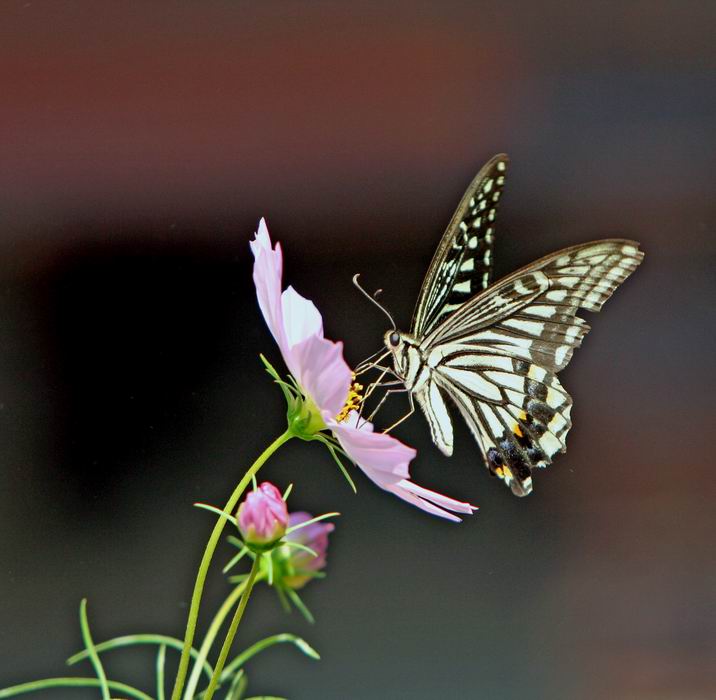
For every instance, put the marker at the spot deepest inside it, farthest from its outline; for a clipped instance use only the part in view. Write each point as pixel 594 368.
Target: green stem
pixel 161 658
pixel 71 683
pixel 94 657
pixel 206 560
pixel 259 646
pixel 135 639
pixel 226 648
pixel 211 633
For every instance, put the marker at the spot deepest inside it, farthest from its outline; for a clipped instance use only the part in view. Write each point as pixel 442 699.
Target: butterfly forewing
pixel 463 262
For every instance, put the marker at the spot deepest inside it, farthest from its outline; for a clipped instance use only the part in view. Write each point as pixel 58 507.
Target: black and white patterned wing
pixel 462 264
pixel 498 355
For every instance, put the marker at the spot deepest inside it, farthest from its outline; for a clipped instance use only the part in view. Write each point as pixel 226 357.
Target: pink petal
pixel 385 461
pixel 383 458
pixel 430 501
pixel 301 317
pixel 268 268
pixel 263 516
pixel 297 326
pixel 317 363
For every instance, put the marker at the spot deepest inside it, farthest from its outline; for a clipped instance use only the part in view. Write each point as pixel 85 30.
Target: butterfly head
pixel 399 344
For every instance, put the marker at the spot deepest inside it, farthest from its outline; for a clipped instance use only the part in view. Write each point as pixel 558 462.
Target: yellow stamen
pixel 353 400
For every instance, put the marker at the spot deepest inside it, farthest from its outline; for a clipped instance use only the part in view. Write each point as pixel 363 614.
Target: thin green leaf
pixel 289 392
pixel 269 559
pixel 298 545
pixel 340 464
pixel 92 652
pixel 217 511
pixel 238 686
pixel 311 521
pixel 235 560
pixel 237 542
pixel 328 437
pixel 259 646
pixel 296 600
pixel 287 492
pixel 293 381
pixel 269 367
pixel 48 683
pixel 161 656
pixel 238 579
pixel 283 599
pixel 139 639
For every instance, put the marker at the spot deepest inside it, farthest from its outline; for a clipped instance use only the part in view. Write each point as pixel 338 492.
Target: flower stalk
pixel 233 627
pixel 211 634
pixel 208 555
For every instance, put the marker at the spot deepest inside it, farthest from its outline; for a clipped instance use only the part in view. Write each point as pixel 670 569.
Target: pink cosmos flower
pixel 318 366
pixel 263 516
pixel 302 563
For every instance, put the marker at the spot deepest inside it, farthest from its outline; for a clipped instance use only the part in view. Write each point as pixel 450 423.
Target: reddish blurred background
pixel 140 144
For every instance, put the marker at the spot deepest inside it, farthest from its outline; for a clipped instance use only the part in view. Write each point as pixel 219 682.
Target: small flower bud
pixel 300 566
pixel 262 517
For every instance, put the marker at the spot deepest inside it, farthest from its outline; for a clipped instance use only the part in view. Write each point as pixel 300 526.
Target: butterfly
pixel 494 350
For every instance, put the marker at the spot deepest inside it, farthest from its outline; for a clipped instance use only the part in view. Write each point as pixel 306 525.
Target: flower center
pixel 353 400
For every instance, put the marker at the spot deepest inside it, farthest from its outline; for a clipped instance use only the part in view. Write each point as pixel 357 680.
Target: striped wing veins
pixel 496 353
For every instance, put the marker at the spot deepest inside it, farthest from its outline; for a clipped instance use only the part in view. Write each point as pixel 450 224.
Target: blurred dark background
pixel 141 142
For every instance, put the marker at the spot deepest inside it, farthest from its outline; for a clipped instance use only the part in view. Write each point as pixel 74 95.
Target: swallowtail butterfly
pixel 495 349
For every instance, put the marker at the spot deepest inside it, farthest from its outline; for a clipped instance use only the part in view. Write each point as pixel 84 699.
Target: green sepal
pixel 300 605
pixel 304 419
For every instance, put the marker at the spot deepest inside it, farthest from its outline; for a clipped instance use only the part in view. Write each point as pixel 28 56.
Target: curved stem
pixel 71 683
pixel 232 629
pixel 93 655
pixel 135 639
pixel 211 633
pixel 206 560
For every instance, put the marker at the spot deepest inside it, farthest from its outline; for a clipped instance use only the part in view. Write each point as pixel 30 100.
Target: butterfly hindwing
pixel 497 356
pixel 518 413
pixel 463 262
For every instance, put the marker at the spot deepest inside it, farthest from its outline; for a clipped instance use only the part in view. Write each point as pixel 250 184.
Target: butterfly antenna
pixel 373 300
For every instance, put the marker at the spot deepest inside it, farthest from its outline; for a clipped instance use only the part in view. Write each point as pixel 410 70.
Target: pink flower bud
pixel 263 517
pixel 301 565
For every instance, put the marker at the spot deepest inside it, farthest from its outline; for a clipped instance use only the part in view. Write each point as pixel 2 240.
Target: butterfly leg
pixel 379 382
pixel 408 414
pixel 385 396
pixel 371 388
pixel 370 363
